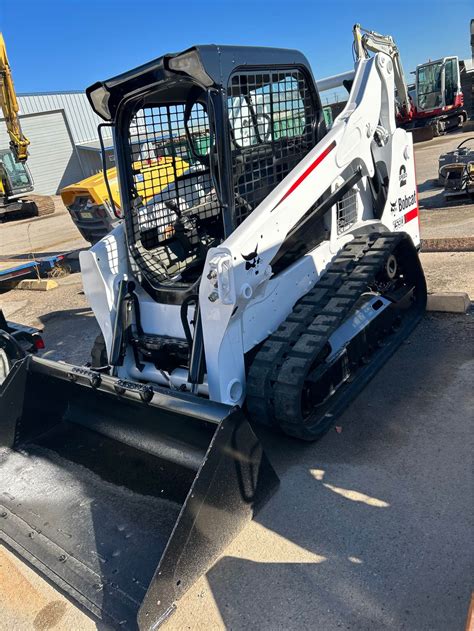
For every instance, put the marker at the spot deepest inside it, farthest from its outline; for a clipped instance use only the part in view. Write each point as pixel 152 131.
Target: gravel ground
pixel 69 324
pixel 449 271
pixel 447 222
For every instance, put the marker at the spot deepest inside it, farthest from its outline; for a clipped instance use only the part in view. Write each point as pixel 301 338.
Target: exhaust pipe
pixel 121 494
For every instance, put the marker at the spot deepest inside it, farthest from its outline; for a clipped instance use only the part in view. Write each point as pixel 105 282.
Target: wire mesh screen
pixel 174 199
pixel 270 117
pixel 346 211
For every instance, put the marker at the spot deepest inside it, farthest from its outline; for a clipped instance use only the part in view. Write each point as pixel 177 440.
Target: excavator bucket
pixel 120 494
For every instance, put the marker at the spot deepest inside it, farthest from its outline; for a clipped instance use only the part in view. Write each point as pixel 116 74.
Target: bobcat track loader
pixel 267 283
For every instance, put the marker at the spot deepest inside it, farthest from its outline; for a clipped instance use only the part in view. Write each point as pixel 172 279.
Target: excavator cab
pixel 439 97
pixel 15 181
pixel 16 177
pixel 438 84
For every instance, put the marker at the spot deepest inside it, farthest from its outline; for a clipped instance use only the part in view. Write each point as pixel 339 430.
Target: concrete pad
pixel 449 271
pixel 28 602
pixel 449 302
pixel 10 308
pixel 447 223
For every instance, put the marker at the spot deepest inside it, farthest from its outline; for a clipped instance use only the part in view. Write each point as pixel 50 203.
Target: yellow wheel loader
pixel 16 182
pixel 267 283
pixel 94 203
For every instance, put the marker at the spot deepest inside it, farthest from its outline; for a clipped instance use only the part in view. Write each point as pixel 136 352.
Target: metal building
pixel 62 129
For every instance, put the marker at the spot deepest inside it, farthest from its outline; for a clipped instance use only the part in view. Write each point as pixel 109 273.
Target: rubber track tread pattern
pixel 267 363
pixel 280 367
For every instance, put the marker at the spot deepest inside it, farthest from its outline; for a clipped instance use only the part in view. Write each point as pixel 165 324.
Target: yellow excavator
pixel 16 182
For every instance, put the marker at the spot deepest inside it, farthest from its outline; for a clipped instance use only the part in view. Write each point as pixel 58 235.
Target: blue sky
pixel 69 44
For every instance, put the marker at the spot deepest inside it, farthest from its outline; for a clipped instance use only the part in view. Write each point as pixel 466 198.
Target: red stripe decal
pixel 305 174
pixel 411 214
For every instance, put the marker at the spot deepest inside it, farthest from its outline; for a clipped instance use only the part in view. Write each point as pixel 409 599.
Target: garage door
pixel 53 161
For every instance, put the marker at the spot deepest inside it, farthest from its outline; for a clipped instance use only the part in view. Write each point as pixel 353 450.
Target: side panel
pixel 401 213
pixel 103 266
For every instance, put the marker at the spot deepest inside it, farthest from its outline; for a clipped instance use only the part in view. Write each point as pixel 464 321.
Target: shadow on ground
pixel 69 335
pixel 428 185
pixel 377 516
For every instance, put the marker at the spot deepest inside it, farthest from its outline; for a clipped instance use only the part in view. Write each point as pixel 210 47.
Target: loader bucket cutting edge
pixel 123 504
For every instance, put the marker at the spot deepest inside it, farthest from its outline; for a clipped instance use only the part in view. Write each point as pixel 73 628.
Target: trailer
pixel 12 269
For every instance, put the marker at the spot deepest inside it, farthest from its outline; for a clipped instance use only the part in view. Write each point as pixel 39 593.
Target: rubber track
pixel 281 365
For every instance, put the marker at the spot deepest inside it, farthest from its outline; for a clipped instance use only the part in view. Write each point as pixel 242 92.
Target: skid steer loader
pixel 268 282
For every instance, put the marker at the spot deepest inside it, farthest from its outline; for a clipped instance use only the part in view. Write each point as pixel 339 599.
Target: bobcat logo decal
pixel 252 259
pixel 402 175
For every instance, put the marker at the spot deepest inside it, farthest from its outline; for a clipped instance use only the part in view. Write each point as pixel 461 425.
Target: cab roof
pixel 208 65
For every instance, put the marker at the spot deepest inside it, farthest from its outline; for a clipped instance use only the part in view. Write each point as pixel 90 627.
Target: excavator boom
pixel 9 106
pixel 366 41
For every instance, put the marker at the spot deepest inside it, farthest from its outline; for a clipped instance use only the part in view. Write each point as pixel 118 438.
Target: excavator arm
pixel 369 41
pixel 9 106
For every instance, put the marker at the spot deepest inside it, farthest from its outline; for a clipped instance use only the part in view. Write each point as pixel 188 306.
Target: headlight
pixel 99 100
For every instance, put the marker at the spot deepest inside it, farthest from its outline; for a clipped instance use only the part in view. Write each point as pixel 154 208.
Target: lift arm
pixel 364 137
pixel 369 41
pixel 9 107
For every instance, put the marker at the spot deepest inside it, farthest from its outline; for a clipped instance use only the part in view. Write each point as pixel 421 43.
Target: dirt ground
pixel 371 528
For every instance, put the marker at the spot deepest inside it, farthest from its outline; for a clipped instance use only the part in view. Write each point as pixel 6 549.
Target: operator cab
pixel 15 176
pixel 437 84
pixel 230 124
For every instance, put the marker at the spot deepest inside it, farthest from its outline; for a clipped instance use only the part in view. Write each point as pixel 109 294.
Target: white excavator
pixel 266 283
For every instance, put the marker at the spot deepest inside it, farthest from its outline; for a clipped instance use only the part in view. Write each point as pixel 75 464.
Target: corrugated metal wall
pixel 53 159
pixel 55 123
pixel 82 120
